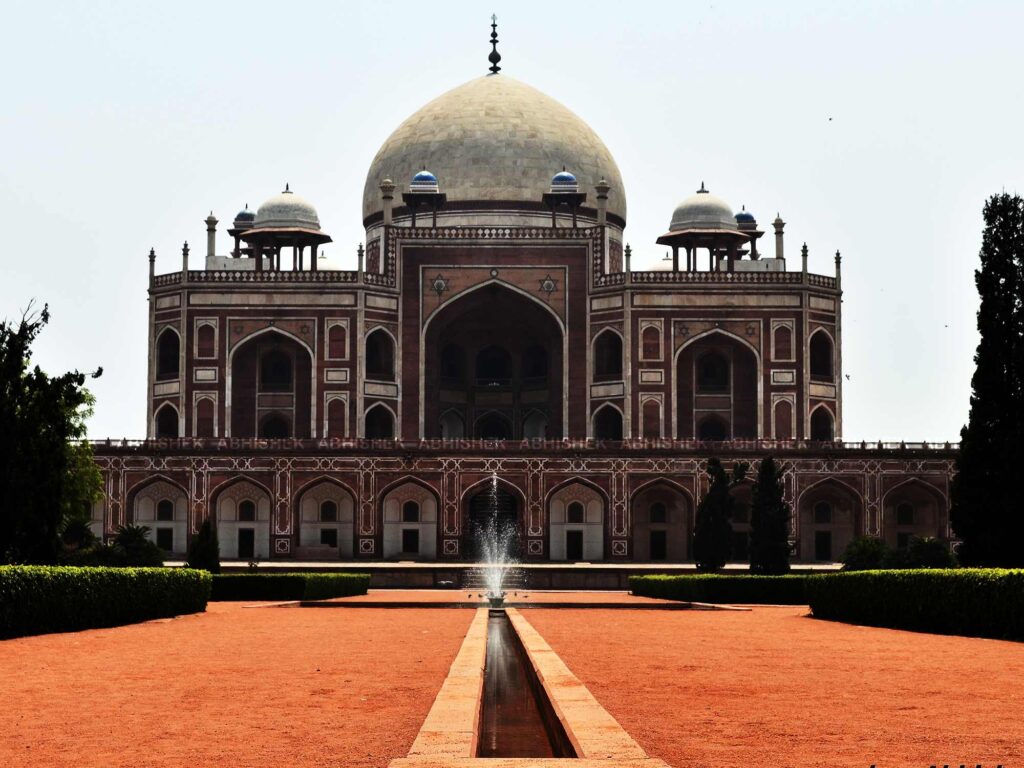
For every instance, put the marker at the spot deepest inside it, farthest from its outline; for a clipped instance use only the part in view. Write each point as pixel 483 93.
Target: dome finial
pixel 287 187
pixel 494 57
pixel 702 191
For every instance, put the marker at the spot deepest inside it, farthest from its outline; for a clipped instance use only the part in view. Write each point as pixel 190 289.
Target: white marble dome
pixel 495 139
pixel 702 210
pixel 287 210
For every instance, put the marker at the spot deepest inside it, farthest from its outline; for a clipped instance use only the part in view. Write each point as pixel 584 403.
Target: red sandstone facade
pixel 357 414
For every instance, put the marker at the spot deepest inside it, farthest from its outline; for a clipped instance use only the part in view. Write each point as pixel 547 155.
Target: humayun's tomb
pixel 495 324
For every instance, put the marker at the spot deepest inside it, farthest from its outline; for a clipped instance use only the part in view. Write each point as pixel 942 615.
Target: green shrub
pixel 865 553
pixel 39 599
pixel 712 588
pixel 921 553
pixel 139 551
pixel 869 553
pixel 288 586
pixel 962 601
pixel 203 549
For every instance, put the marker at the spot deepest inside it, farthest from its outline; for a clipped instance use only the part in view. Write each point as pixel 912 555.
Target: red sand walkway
pixel 234 687
pixel 312 687
pixel 775 687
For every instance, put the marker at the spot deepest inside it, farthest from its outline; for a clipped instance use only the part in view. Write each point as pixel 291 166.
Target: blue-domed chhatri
pixel 745 217
pixel 563 181
pixel 424 181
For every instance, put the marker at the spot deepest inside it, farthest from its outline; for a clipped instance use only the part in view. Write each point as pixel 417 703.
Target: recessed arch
pixel 493 425
pixel 168 354
pixel 243 510
pixel 498 345
pixel 205 415
pixel 226 485
pixel 381 354
pixel 824 540
pixel 821 355
pixel 324 515
pixel 569 481
pixel 607 350
pixel 608 422
pixel 744 409
pixel 662 481
pixel 724 332
pixel 822 424
pixel 453 425
pixel 928 512
pixel 319 479
pixel 917 483
pixel 166 422
pixel 405 535
pixel 502 284
pixel 242 413
pixel 262 331
pixel 206 340
pixel 665 536
pixel 380 422
pixel 159 477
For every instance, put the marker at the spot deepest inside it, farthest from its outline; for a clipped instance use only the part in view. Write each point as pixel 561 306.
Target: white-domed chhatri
pixel 702 211
pixel 287 210
pixel 495 139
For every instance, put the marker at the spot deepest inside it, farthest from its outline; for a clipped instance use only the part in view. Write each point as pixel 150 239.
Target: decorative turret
pixel 746 222
pixel 779 225
pixel 211 235
pixel 285 220
pixel 602 188
pixel 564 190
pixel 243 222
pixel 424 192
pixel 703 220
pixel 387 196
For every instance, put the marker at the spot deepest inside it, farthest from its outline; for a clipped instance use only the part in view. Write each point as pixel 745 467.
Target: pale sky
pixel 124 124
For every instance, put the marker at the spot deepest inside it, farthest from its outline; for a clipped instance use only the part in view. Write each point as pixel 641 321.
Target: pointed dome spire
pixel 494 56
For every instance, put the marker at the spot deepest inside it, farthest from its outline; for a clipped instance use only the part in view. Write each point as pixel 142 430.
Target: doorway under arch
pixel 492 514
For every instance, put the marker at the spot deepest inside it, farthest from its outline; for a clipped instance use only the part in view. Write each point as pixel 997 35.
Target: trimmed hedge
pixel 288 586
pixel 714 588
pixel 981 602
pixel 38 599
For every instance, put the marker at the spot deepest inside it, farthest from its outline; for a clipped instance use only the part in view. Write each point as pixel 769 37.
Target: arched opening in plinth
pixel 492 519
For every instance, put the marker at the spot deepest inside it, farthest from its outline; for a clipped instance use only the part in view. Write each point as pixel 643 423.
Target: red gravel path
pixel 776 687
pixel 524 596
pixel 234 687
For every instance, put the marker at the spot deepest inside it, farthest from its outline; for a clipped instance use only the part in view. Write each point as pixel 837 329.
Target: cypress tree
pixel 769 521
pixel 712 530
pixel 987 514
pixel 204 550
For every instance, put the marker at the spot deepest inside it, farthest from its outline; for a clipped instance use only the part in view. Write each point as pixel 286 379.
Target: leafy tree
pixel 712 531
pixel 204 550
pixel 865 553
pixel 46 475
pixel 986 513
pixel 769 521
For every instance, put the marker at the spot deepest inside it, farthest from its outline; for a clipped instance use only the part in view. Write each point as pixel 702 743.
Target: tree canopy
pixel 47 474
pixel 987 513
